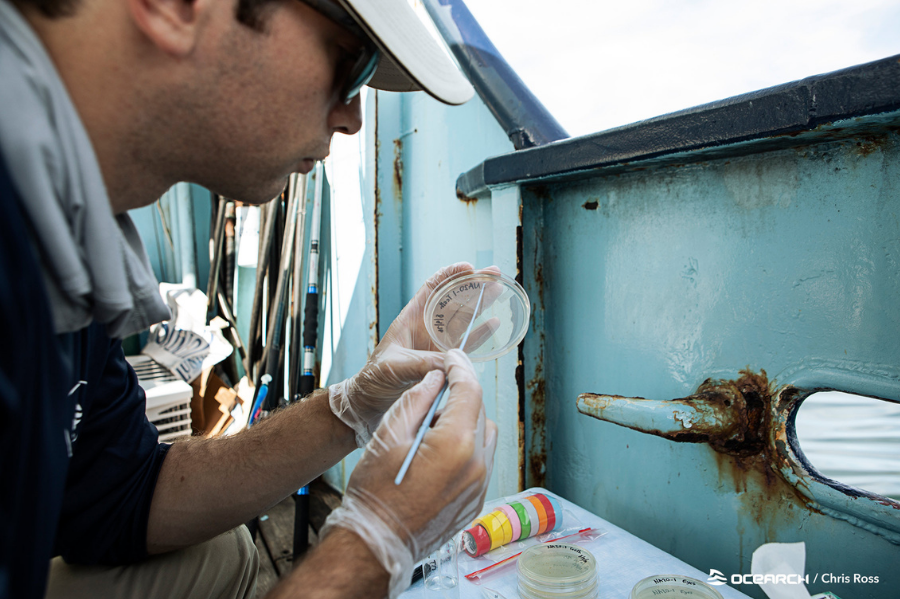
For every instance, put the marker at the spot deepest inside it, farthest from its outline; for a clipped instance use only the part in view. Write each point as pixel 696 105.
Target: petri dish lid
pixel 674 586
pixel 557 567
pixel 499 325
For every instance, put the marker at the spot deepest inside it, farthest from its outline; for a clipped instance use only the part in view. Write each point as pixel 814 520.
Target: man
pixel 104 104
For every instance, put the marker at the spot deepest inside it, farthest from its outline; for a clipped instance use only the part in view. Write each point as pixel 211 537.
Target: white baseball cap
pixel 411 59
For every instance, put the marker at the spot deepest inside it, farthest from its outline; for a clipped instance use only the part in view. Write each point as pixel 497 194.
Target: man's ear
pixel 171 25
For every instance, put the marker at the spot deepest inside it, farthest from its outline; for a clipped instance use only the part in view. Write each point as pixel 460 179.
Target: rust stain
pixel 520 371
pixel 756 393
pixel 521 450
pixel 869 144
pixel 464 198
pixel 747 464
pixel 539 280
pixel 591 205
pixel 376 220
pixel 537 455
pixel 757 486
pixel 747 400
pixel 538 266
pixel 398 169
pixel 754 474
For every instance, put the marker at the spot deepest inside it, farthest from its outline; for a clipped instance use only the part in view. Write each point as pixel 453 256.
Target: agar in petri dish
pixel 501 320
pixel 557 570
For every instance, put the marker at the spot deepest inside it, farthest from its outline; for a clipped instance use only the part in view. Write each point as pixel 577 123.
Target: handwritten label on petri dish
pixel 438 320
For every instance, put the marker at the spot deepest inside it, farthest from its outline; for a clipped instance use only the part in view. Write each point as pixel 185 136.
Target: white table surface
pixel 622 561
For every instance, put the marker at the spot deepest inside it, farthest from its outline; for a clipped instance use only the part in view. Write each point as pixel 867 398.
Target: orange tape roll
pixel 542 515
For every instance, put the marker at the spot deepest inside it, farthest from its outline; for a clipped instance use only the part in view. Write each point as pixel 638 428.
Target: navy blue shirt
pixel 78 458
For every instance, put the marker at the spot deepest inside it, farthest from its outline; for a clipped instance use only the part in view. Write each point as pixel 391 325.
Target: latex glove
pixel 404 356
pixel 444 488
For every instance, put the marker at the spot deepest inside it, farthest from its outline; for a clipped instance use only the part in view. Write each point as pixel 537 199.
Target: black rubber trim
pixel 786 110
pixel 525 120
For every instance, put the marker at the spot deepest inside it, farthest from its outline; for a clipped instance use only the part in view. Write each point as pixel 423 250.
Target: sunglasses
pixel 355 73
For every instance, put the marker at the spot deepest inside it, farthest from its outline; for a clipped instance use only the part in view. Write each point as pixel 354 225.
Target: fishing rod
pixel 266 401
pixel 229 252
pixel 295 366
pixel 311 313
pixel 267 235
pixel 222 258
pixel 216 243
pixel 307 381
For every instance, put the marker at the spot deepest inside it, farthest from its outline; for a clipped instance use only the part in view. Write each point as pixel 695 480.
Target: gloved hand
pixel 404 356
pixel 444 488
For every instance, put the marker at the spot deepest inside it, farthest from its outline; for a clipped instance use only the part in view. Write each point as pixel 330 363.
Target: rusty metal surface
pixel 746 419
pixel 731 415
pixel 533 384
pixel 874 513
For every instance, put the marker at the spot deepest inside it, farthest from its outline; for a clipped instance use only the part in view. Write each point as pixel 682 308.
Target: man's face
pixel 265 104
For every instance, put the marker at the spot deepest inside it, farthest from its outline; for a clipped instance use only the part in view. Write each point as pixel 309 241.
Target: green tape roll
pixel 523 518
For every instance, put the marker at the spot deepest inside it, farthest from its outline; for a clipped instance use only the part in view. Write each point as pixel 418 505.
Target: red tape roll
pixel 551 513
pixel 478 541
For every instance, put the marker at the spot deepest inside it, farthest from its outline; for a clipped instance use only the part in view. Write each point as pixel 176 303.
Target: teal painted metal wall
pixel 653 280
pixel 165 251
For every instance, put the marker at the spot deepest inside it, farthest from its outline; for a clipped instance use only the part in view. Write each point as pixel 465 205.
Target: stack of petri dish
pixel 557 571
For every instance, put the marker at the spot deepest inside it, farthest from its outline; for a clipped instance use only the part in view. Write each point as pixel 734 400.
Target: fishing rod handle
pixel 311 320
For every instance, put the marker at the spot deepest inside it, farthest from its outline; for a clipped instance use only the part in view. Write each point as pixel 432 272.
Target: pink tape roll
pixel 514 520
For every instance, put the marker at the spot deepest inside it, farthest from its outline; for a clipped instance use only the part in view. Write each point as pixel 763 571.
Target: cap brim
pixel 411 59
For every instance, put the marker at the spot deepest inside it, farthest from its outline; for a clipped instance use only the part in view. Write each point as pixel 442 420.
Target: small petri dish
pixel 557 571
pixel 673 586
pixel 499 325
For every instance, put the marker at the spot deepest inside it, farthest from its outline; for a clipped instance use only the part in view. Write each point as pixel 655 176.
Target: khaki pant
pixel 222 568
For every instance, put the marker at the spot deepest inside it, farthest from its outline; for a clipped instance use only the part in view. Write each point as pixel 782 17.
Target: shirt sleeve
pixel 116 459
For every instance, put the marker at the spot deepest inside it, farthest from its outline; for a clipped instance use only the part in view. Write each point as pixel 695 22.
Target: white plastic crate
pixel 168 398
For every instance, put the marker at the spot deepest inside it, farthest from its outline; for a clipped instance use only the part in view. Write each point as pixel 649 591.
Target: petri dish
pixel 557 571
pixel 499 325
pixel 673 586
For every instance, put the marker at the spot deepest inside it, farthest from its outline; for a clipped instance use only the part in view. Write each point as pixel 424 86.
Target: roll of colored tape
pixel 542 513
pixel 513 521
pixel 551 514
pixel 506 526
pixel 494 528
pixel 524 520
pixel 557 509
pixel 476 541
pixel 533 519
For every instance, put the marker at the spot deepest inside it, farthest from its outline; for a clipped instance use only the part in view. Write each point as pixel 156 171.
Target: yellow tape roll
pixel 499 529
pixel 507 527
pixel 493 527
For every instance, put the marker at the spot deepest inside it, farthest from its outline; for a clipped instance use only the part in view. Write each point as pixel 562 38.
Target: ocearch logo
pixel 718 578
